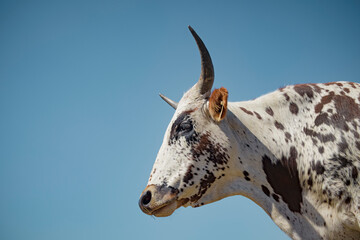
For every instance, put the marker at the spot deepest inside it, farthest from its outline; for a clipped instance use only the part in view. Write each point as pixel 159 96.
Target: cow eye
pixel 185 127
pixel 182 127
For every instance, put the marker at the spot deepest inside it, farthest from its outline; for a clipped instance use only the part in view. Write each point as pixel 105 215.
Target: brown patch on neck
pixel 279 125
pixel 324 100
pixel 283 177
pixel 346 107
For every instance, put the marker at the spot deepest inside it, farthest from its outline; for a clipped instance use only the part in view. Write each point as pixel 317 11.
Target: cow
pixel 295 152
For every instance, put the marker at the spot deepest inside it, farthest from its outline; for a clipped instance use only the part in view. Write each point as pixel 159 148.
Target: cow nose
pixel 154 198
pixel 145 199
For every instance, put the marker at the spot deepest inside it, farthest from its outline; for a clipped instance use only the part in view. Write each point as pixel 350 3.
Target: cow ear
pixel 218 104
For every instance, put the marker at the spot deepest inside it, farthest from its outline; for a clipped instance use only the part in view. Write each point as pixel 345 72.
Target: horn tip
pixel 191 29
pixel 163 97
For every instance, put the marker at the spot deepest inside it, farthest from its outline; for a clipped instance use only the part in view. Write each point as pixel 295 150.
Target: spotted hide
pixel 295 152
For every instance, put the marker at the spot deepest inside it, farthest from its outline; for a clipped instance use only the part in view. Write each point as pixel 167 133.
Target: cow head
pixel 193 160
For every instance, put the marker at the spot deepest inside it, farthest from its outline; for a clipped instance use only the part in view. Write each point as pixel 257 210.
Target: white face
pixel 194 155
pixel 193 159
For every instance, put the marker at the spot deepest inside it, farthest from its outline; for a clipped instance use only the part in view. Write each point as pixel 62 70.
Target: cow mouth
pixel 165 209
pixel 160 201
pixel 162 210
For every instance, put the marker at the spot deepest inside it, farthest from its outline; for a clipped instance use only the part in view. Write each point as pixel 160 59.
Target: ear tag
pixel 221 111
pixel 218 104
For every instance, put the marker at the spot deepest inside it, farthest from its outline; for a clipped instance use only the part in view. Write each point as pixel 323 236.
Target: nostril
pixel 146 198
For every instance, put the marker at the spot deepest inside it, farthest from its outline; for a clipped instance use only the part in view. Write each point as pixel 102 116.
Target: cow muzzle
pixel 160 201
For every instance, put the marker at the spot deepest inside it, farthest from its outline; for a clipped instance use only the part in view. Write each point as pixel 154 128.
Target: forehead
pixel 194 113
pixel 191 100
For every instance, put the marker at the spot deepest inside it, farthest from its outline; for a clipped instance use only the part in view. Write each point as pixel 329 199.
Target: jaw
pixel 166 209
pixel 165 206
pixel 160 206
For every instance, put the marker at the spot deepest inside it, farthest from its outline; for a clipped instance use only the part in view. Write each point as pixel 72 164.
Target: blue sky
pixel 81 121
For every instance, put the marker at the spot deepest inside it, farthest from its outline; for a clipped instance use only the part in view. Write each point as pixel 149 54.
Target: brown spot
pixel 322 118
pixel 346 90
pixel 214 152
pixel 341 161
pixel 183 201
pixel 265 190
pixel 340 194
pixel 333 83
pixel 246 111
pixel 258 115
pixel 292 158
pixel 294 109
pixel 324 100
pixel 304 89
pixel 322 137
pixel 357 145
pixel 346 107
pixel 188 175
pixel 354 172
pixel 343 145
pixel 284 179
pixel 279 125
pixel 352 85
pixel 205 184
pixel 276 197
pixel 269 111
pixel 288 135
pixel 318 168
pixel 339 122
pixel 316 88
pixel 286 97
pixel 310 182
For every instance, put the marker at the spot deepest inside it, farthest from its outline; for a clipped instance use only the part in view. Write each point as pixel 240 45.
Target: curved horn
pixel 206 79
pixel 169 101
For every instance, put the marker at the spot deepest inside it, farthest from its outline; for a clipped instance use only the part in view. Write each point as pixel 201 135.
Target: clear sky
pixel 81 120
